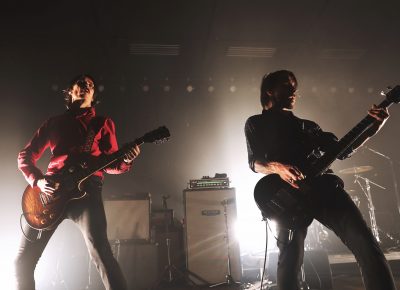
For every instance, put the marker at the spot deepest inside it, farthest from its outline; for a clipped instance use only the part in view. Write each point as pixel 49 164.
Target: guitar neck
pixel 108 160
pixel 345 142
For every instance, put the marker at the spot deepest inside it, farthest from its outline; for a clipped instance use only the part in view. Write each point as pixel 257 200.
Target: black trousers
pixel 89 215
pixel 334 208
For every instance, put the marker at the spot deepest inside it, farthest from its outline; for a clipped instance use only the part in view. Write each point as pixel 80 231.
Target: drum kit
pixel 365 187
pixel 319 236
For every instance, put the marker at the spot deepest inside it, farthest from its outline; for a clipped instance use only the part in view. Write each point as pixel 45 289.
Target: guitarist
pixel 278 142
pixel 77 131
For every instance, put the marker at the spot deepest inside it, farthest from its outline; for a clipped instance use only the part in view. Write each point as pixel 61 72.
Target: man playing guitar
pixel 77 132
pixel 280 144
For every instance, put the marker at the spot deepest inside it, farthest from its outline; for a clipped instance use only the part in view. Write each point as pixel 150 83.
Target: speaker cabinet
pixel 206 233
pixel 138 262
pixel 316 268
pixel 129 218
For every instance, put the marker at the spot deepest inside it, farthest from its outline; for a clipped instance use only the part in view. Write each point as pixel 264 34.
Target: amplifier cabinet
pixel 129 219
pixel 205 235
pixel 138 262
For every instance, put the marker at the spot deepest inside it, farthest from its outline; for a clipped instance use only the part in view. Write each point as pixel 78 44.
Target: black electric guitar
pixel 43 211
pixel 279 200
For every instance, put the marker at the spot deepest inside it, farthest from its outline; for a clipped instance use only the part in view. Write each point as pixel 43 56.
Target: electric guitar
pixel 43 212
pixel 290 206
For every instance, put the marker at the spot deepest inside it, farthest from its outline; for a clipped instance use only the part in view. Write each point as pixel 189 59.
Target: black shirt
pixel 277 135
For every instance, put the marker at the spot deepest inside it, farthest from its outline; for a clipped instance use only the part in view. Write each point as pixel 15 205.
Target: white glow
pixel 146 88
pixel 189 88
pixel 9 246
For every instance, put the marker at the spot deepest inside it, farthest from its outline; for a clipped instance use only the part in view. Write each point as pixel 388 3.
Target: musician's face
pixel 83 92
pixel 284 96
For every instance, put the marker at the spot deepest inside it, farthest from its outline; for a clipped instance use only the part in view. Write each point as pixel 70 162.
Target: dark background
pixel 343 53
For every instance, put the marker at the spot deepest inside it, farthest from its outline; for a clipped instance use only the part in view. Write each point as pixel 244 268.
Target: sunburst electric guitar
pixel 44 212
pixel 290 206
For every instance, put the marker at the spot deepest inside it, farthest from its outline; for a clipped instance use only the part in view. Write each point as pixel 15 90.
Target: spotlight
pixel 145 88
pixel 167 88
pixel 101 88
pixel 210 89
pixel 232 88
pixel 54 87
pixel 351 90
pixel 189 88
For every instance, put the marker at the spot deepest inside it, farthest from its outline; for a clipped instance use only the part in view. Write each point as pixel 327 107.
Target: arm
pixel 380 115
pixel 109 145
pixel 286 172
pixel 28 156
pixel 258 160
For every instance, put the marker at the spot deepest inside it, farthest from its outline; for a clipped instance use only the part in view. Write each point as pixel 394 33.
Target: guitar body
pixel 43 212
pixel 279 201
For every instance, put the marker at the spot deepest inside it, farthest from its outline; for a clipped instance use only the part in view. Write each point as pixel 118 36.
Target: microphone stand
pixel 229 281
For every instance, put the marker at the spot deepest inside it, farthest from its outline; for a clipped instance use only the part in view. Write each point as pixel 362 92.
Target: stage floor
pixel 345 274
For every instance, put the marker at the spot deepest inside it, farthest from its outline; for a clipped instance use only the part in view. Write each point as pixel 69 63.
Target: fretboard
pixel 347 140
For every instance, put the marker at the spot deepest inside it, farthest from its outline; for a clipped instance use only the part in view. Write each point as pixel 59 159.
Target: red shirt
pixel 65 135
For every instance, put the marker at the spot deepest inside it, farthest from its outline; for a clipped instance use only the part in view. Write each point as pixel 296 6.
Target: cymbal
pixel 356 169
pixel 350 190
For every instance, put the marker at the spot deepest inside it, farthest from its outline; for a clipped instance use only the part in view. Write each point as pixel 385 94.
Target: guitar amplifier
pixel 128 217
pixel 138 262
pixel 206 235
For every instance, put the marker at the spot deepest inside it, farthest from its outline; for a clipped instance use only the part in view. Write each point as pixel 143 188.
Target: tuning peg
pixel 388 88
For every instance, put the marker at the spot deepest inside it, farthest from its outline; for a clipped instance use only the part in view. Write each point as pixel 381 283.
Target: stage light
pixel 145 88
pixel 232 88
pixel 211 89
pixel 189 88
pixel 54 87
pixel 101 88
pixel 167 88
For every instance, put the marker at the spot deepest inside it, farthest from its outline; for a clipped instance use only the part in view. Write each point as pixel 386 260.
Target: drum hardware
pixel 394 179
pixel 366 189
pixel 356 200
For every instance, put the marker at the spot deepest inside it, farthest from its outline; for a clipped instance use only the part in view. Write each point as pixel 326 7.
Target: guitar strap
pixel 94 127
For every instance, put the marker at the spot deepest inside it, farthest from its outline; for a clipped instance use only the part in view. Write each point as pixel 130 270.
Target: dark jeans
pixel 89 215
pixel 334 208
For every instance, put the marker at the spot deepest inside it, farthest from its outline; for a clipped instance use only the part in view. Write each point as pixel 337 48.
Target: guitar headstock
pixel 394 95
pixel 157 136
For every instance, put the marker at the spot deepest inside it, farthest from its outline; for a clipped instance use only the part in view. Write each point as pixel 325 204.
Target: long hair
pixel 269 82
pixel 74 81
